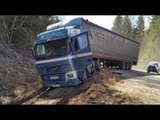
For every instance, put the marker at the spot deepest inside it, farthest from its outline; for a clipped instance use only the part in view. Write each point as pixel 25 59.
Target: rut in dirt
pixel 37 94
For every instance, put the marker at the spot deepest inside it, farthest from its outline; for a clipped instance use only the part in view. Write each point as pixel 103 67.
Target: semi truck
pixel 66 53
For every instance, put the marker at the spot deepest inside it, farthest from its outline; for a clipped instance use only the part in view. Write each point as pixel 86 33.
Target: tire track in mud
pixel 36 95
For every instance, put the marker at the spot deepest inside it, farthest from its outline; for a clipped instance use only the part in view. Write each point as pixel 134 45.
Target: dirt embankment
pixel 100 90
pixel 18 77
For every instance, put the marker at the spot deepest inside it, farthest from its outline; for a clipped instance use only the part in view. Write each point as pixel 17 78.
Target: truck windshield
pixel 52 49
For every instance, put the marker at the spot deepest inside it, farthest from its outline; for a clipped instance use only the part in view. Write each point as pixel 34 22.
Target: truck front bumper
pixel 59 80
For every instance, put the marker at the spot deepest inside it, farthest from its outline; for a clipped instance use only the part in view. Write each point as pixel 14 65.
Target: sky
pixel 105 21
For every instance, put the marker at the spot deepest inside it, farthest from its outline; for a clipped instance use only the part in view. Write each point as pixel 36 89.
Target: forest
pixel 149 38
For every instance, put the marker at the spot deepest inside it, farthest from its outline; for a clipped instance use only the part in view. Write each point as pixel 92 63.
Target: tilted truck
pixel 66 53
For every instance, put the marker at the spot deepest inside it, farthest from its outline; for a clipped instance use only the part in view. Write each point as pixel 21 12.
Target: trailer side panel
pixel 109 45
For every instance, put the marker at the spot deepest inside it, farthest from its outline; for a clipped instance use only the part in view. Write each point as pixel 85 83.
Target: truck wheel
pixel 158 72
pixel 98 65
pixel 148 71
pixel 123 67
pixel 130 66
pixel 126 66
pixel 84 76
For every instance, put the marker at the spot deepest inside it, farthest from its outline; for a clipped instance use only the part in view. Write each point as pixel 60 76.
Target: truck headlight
pixel 71 75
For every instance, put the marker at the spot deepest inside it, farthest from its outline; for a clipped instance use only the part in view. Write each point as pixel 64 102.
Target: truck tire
pixel 130 66
pixel 123 66
pixel 126 65
pixel 98 65
pixel 84 76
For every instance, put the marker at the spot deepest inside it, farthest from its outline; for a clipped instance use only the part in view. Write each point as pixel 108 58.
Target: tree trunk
pixel 6 29
pixel 12 27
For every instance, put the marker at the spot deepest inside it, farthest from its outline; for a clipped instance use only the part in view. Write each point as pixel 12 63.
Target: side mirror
pixel 33 52
pixel 77 26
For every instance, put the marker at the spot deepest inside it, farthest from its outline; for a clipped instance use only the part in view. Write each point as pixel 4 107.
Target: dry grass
pixel 16 80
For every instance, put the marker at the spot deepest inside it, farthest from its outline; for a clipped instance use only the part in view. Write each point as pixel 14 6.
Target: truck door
pixel 81 52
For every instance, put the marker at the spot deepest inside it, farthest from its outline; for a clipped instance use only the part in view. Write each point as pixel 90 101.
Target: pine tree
pixel 126 27
pixel 117 24
pixel 140 28
pixel 134 33
pixel 150 51
pixel 20 31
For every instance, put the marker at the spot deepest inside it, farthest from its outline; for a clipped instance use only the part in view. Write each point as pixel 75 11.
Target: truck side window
pixel 40 50
pixel 81 42
pixel 76 45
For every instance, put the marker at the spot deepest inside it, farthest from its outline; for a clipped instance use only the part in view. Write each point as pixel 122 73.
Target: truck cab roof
pixel 72 22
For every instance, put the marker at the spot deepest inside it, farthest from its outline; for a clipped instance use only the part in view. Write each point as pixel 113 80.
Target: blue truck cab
pixel 62 53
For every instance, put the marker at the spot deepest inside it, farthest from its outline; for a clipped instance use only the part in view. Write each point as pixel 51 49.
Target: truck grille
pixel 58 69
pixel 55 69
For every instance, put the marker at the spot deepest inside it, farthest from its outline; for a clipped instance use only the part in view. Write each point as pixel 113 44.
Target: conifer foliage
pixel 20 31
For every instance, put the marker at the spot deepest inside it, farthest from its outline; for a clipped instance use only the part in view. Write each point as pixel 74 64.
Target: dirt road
pixel 145 86
pixel 121 87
